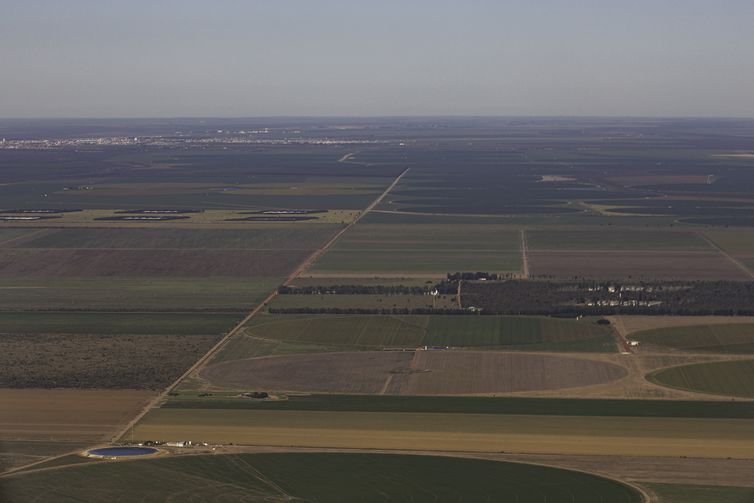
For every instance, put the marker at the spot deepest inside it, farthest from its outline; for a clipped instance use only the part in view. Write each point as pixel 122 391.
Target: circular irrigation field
pixel 412 373
pixel 728 378
pixel 318 477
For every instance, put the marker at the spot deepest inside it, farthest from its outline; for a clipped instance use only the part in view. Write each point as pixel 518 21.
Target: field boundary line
pixel 524 255
pixel 725 254
pixel 261 305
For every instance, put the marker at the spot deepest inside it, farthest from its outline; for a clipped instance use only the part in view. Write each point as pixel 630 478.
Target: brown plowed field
pixel 682 265
pixel 467 372
pixel 66 414
pixel 153 263
pixel 363 372
pixel 428 373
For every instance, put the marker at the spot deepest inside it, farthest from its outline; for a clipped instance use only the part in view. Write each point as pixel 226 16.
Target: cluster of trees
pixel 729 298
pixel 363 310
pixel 354 290
pixel 471 276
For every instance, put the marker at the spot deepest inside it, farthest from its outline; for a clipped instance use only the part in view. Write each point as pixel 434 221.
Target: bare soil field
pixel 63 414
pixel 363 372
pixel 408 373
pixel 648 265
pixel 471 372
pixel 153 263
pixel 15 453
pixel 710 438
pixel 97 361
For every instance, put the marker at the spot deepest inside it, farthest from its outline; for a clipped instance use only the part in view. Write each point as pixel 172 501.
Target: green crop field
pixel 317 477
pixel 469 405
pixel 118 293
pixel 378 331
pixel 117 323
pixel 348 330
pixel 622 239
pixel 671 493
pixel 719 338
pixel 8 235
pixel 364 301
pixel 733 241
pixel 730 378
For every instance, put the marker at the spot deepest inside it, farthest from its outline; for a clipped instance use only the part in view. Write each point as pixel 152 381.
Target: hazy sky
pixel 376 57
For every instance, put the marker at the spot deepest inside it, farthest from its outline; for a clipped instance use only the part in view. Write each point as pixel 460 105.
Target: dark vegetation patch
pixel 715 338
pixel 97 361
pixel 728 378
pixel 611 297
pixel 145 218
pixel 164 211
pixel 320 477
pixel 474 405
pixel 270 218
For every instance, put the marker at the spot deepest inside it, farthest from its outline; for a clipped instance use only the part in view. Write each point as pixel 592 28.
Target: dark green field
pixel 472 405
pixel 117 323
pixel 730 378
pixel 323 478
pixel 377 331
pixel 715 338
pixel 127 294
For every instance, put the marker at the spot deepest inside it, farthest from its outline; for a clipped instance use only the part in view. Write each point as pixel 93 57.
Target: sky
pixel 245 58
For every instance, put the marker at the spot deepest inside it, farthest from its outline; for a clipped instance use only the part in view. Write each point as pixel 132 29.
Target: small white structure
pixel 180 443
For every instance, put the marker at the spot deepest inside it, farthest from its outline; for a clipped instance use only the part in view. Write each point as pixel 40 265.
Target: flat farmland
pixel 471 372
pixel 411 373
pixel 15 453
pixel 410 331
pixel 672 493
pixel 390 249
pixel 430 237
pixel 130 293
pixel 97 361
pixel 648 265
pixel 433 263
pixel 9 236
pixel 348 330
pixel 716 338
pixel 728 378
pixel 261 237
pixel 734 241
pixel 66 414
pixel 60 263
pixel 320 477
pixel 709 438
pixel 630 324
pixel 117 323
pixel 614 239
pixel 363 301
pixel 518 332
